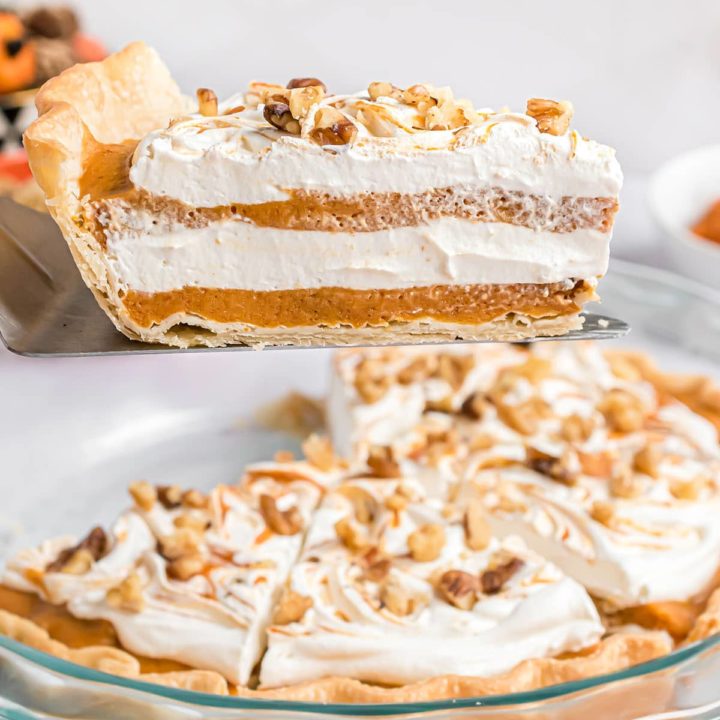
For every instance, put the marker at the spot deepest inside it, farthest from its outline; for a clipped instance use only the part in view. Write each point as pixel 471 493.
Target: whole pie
pixel 291 215
pixel 505 518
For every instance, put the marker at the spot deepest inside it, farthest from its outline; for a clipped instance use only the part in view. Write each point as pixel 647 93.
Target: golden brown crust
pixel 709 621
pixel 107 659
pixel 611 654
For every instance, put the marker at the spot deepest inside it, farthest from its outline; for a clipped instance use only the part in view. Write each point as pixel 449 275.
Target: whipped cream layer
pixel 446 251
pixel 349 630
pixel 631 530
pixel 214 619
pixel 240 158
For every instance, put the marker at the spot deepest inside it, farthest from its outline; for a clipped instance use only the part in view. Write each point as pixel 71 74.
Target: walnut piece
pixel 687 489
pixel 419 369
pixel 207 102
pixel 365 507
pixel 556 468
pixel 474 406
pixel 623 411
pixel 78 559
pixel 319 452
pixel 459 588
pixel 143 494
pixel 375 565
pixel 193 521
pixel 349 535
pixel 291 608
pixel 477 529
pixel 624 483
pixel 552 117
pixel 302 99
pixel 194 499
pixel 332 128
pixel 281 522
pixel 170 496
pixel 306 82
pixel 398 600
pixel 278 114
pixel 426 543
pixel 576 428
pixel 384 89
pixel 371 380
pixel 382 463
pixel 493 580
pixel 186 566
pixel 453 369
pixel 603 513
pixel 127 595
pixel 648 459
pixel 183 541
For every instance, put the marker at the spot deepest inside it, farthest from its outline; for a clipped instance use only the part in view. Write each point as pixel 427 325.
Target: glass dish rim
pixel 230 702
pixel 674 659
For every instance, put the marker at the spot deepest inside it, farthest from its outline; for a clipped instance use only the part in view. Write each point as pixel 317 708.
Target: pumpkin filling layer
pixel 333 306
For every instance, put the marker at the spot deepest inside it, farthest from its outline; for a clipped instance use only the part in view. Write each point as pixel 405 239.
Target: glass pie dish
pixel 195 427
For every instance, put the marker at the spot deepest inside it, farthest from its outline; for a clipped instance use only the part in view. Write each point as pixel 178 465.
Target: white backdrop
pixel 644 74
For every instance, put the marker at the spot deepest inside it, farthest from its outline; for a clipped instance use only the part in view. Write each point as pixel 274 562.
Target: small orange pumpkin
pixel 17 56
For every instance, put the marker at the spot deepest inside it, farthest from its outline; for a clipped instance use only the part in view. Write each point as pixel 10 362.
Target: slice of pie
pixel 601 463
pixel 182 581
pixel 288 215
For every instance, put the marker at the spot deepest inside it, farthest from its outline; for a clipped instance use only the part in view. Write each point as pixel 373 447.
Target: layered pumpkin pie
pixel 292 215
pixel 603 464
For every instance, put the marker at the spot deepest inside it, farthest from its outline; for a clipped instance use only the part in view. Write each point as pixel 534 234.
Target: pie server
pixel 47 311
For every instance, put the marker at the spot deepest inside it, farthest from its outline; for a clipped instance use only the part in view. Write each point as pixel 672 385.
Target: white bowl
pixel 681 191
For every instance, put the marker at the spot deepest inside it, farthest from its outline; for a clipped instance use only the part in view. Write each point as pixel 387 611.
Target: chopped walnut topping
pixel 207 102
pixel 493 580
pixel 192 521
pixel 426 543
pixel 420 97
pixel 303 98
pixel 365 507
pixel 552 117
pixel 576 428
pixel 281 522
pixel 443 405
pixel 419 369
pixel 183 541
pixel 397 599
pixel 306 82
pixel 648 459
pixel 382 463
pixel 170 496
pixel 278 115
pixel 524 418
pixel 332 128
pixel 557 468
pixel 194 499
pixel 483 441
pixel 377 120
pixel 396 502
pixel 78 559
pixel 687 489
pixel 186 566
pixel 624 483
pixel 349 535
pixel 623 411
pixel 623 368
pixel 127 595
pixel 459 588
pixel 259 93
pixel 292 608
pixel 143 494
pixel 319 452
pixel 477 529
pixel 383 89
pixel 599 464
pixel 371 382
pixel 376 566
pixel 474 406
pixel 454 369
pixel 448 116
pixel 602 512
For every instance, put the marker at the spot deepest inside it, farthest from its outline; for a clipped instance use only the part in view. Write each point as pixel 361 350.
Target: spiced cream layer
pixel 288 213
pixel 604 465
pixel 181 581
